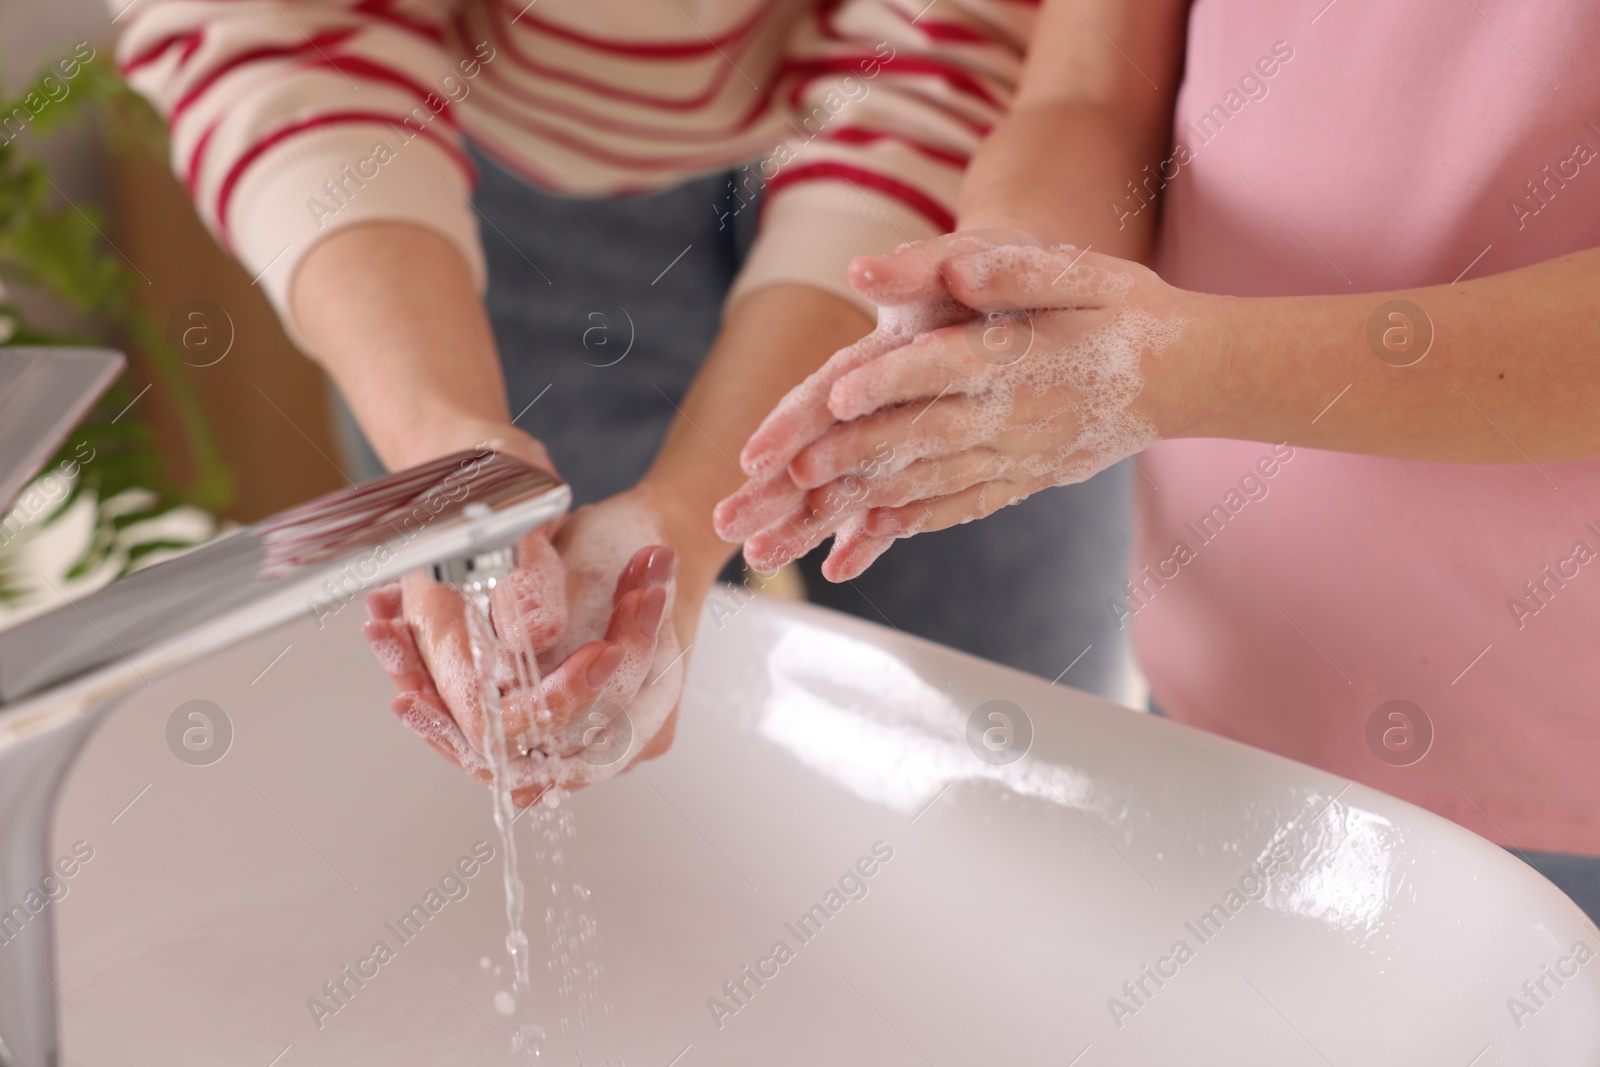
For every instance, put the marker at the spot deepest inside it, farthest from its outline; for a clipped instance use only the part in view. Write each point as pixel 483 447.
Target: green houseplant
pixel 60 248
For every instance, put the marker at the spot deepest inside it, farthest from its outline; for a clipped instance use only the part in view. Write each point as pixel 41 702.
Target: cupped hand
pixel 588 676
pixel 1038 380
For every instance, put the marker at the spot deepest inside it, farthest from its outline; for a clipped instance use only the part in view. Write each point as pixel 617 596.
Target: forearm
pixel 1512 374
pixel 1053 169
pixel 1090 115
pixel 390 310
pixel 771 340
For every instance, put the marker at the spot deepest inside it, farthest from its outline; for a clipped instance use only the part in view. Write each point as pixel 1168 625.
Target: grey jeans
pixel 603 310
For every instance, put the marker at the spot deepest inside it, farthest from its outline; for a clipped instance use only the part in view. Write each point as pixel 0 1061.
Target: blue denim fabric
pixel 1576 876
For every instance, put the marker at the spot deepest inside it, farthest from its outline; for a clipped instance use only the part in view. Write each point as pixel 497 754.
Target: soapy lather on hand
pixel 594 601
pixel 971 428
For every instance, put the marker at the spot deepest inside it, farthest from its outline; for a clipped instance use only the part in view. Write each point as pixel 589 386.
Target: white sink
pixel 1017 902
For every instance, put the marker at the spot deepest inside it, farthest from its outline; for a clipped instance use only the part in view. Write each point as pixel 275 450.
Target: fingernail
pixel 603 667
pixel 651 608
pixel 633 573
pixel 663 564
pixel 758 558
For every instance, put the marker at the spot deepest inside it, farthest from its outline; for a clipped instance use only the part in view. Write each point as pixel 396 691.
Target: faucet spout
pixel 61 673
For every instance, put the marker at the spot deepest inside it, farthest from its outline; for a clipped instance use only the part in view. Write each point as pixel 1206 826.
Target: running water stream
pixel 485 646
pixel 571 931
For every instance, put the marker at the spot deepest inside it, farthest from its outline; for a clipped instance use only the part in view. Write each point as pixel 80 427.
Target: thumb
pixel 1060 277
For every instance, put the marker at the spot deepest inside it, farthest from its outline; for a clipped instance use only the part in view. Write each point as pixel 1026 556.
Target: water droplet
pixel 528 1040
pixel 505 1003
pixel 552 798
pixel 581 889
pixel 484 963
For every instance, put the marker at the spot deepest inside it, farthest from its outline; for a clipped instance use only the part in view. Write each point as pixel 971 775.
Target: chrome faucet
pixel 63 672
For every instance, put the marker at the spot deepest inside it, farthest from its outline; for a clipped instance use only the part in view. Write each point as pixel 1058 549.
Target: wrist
pixel 1192 385
pixel 452 432
pixel 687 519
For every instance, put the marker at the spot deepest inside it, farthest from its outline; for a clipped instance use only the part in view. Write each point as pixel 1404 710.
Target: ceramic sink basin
pixel 1129 891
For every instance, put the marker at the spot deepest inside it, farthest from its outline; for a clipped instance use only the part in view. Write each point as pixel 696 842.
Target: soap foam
pixel 1072 405
pixel 599 544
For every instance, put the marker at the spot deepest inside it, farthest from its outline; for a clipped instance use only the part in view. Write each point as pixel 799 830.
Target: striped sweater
pixel 291 119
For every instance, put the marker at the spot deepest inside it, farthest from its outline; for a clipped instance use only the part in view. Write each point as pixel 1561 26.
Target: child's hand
pixel 966 419
pixel 912 298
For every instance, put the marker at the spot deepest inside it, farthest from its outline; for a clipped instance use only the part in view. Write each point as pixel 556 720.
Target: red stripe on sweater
pixel 933 28
pixel 685 49
pixel 327 39
pixel 912 64
pixel 521 119
pixel 334 118
pixel 493 77
pixel 191 173
pixel 908 195
pixel 944 107
pixel 860 135
pixel 944 31
pixel 951 75
pixel 607 90
pixel 190 40
pixel 371 70
pixel 384 11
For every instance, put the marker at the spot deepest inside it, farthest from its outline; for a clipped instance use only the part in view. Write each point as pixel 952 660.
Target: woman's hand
pixel 1043 382
pixel 588 677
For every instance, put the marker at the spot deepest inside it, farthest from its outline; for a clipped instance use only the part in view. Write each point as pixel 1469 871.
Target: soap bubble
pixel 601 733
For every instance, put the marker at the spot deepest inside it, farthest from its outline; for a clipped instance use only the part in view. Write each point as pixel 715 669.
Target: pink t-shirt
pixel 1394 143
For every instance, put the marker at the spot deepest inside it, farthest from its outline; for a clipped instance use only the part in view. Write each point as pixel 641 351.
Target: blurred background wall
pixel 267 404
